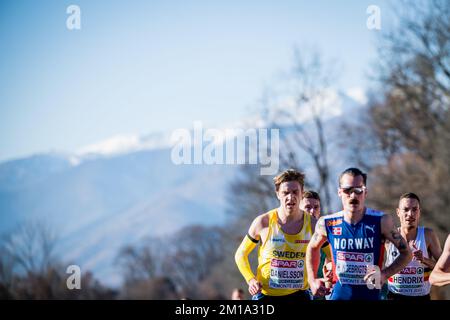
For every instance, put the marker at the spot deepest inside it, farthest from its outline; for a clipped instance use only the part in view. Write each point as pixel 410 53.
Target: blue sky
pixel 146 66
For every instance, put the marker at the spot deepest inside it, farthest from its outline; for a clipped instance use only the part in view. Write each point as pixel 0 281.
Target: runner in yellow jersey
pixel 283 235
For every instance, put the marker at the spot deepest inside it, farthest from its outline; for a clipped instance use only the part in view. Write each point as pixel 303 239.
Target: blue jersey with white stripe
pixel 354 248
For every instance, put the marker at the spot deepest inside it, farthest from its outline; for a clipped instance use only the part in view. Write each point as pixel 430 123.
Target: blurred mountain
pixel 117 192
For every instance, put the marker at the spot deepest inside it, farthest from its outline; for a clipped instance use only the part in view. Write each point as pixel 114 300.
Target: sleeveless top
pixel 354 249
pixel 413 279
pixel 281 258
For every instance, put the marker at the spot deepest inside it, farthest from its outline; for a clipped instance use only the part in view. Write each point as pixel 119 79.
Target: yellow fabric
pixel 281 258
pixel 241 258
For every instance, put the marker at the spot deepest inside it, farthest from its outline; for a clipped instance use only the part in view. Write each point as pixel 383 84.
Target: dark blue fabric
pixel 361 242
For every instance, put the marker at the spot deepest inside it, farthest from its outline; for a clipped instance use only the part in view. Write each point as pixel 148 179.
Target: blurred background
pixel 87 116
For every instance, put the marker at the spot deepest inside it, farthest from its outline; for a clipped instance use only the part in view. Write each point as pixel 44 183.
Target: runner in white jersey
pixel 413 281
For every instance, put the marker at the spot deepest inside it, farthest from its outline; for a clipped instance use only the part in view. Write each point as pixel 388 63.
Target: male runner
pixel 440 276
pixel 356 235
pixel 412 282
pixel 311 203
pixel 283 234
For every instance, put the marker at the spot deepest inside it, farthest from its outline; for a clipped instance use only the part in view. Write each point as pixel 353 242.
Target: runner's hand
pixel 318 287
pixel 254 286
pixel 327 271
pixel 417 253
pixel 371 278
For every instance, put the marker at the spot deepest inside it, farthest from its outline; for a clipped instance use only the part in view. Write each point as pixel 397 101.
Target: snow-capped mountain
pixel 116 192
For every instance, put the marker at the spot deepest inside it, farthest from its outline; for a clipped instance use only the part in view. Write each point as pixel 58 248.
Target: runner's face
pixel 352 202
pixel 312 206
pixel 408 212
pixel 289 195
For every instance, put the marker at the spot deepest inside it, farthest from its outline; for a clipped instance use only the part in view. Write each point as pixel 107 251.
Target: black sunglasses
pixel 356 190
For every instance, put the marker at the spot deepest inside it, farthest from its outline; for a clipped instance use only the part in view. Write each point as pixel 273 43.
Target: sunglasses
pixel 356 190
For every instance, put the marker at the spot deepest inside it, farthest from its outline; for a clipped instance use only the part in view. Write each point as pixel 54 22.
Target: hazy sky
pixel 145 66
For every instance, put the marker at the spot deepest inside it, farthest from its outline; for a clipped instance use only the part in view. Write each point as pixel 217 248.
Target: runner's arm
pixel 325 248
pixel 440 276
pixel 247 246
pixel 390 233
pixel 434 248
pixel 313 258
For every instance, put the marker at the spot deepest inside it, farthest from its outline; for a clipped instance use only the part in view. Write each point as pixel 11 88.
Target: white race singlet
pixel 413 279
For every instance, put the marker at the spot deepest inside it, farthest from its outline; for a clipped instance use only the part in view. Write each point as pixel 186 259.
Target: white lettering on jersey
pixel 352 244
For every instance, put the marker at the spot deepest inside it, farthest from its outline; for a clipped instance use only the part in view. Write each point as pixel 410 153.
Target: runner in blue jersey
pixel 356 236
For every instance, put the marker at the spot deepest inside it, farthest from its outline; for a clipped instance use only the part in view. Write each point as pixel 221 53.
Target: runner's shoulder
pixel 429 234
pixel 262 221
pixel 320 226
pixel 387 218
pixel 377 213
pixel 330 216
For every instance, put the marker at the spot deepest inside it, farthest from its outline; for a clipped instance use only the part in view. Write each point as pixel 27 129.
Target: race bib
pixel 286 274
pixel 351 267
pixel 409 281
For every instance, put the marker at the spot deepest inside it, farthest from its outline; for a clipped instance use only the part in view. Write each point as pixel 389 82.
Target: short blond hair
pixel 289 175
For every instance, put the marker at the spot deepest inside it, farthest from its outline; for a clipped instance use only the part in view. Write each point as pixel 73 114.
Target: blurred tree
pixel 297 110
pixel 141 262
pixel 193 252
pixel 173 266
pixel 30 248
pixel 311 79
pixel 405 137
pixel 29 268
pixel 299 114
pixel 408 128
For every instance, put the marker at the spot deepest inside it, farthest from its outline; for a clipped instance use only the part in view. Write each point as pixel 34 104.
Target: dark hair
pixel 311 195
pixel 409 195
pixel 353 172
pixel 289 175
